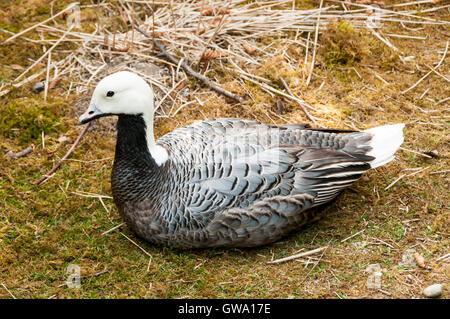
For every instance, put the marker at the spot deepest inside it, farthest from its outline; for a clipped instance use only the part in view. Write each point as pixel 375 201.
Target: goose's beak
pixel 91 113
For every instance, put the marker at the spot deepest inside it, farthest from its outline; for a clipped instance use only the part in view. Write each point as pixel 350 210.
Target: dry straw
pixel 189 29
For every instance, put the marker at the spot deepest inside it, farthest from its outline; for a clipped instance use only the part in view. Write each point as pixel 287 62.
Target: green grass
pixel 45 228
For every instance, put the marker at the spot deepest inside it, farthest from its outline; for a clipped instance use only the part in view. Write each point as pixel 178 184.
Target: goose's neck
pixel 135 137
pixel 158 152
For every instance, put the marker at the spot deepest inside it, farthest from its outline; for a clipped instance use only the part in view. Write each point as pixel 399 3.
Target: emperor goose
pixel 226 182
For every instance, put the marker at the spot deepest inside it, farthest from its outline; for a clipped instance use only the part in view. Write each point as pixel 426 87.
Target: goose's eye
pixel 110 93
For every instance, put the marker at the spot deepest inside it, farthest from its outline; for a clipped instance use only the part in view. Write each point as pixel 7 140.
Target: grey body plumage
pixel 226 182
pixel 231 182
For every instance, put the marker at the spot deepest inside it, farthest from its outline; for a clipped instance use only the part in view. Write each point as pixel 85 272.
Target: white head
pixel 120 93
pixel 125 93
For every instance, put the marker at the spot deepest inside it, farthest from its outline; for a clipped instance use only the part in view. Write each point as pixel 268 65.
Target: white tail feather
pixel 385 142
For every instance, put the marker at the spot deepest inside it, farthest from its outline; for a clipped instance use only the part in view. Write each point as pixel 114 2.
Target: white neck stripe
pixel 158 152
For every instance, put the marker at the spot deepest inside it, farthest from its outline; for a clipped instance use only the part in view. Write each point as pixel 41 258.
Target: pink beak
pixel 91 113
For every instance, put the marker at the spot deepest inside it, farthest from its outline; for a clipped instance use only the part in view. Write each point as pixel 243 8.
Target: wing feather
pixel 243 161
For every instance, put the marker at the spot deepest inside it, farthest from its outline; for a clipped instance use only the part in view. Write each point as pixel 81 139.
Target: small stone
pixel 38 87
pixel 165 71
pixel 433 291
pixel 433 153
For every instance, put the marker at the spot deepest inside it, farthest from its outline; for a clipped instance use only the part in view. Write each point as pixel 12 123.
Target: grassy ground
pixel 45 228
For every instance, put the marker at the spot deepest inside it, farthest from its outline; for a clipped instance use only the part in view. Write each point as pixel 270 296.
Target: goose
pixel 226 182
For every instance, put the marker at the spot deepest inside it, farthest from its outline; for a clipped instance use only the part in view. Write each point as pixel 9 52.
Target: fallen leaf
pixel 180 86
pixel 54 82
pixel 420 260
pixel 368 2
pixel 280 106
pixel 38 65
pixel 207 10
pixel 249 49
pixel 209 55
pixel 16 67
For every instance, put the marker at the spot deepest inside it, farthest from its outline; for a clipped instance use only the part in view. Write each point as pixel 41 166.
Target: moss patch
pixel 26 119
pixel 343 46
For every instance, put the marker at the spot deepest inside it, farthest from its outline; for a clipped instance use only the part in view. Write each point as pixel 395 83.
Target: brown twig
pixel 351 236
pixel 316 35
pixel 112 229
pixel 404 175
pixel 54 168
pixel 306 253
pixel 134 243
pixel 443 257
pixel 297 101
pixel 14 297
pixel 45 54
pixel 188 69
pixel 316 263
pixel 96 274
pixel 432 69
pixel 23 153
pixel 69 7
